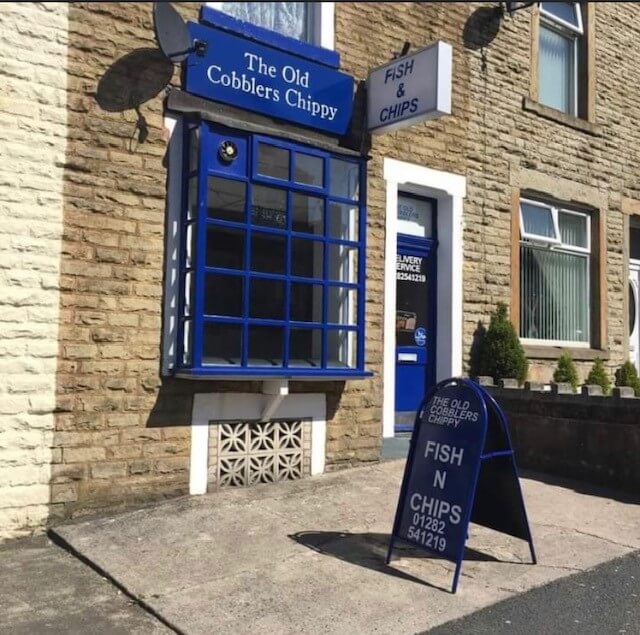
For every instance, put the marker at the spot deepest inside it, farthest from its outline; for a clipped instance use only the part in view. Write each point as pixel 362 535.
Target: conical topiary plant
pixel 501 354
pixel 627 375
pixel 598 376
pixel 566 372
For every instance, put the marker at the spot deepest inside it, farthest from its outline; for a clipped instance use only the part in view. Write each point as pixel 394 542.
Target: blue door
pixel 415 320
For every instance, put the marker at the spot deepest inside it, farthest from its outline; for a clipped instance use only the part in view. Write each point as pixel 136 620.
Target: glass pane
pixel 573 229
pixel 226 199
pixel 268 252
pixel 189 245
pixel 288 18
pixel 415 217
pixel 188 294
pixel 308 214
pixel 306 302
pixel 273 161
pixel 565 11
pixel 194 147
pixel 634 243
pixel 554 295
pixel 556 70
pixel 632 309
pixel 221 344
pixel 343 263
pixel 269 207
pixel 412 298
pixel 344 179
pixel 537 220
pixel 309 170
pixel 342 305
pixel 306 257
pixel 305 347
pixel 266 299
pixel 187 347
pixel 192 207
pixel 225 247
pixel 343 221
pixel 265 346
pixel 223 295
pixel 341 349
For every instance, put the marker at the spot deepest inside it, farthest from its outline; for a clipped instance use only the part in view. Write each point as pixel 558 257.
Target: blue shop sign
pixel 260 78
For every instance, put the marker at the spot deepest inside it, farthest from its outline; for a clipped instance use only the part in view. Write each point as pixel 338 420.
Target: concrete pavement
pixel 43 589
pixel 308 556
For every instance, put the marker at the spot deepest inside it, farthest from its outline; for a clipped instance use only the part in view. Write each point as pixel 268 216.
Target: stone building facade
pixel 90 421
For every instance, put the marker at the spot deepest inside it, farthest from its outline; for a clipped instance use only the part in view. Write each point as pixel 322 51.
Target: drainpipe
pixel 276 390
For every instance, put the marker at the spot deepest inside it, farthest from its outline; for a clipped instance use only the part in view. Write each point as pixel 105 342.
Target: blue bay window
pixel 273 258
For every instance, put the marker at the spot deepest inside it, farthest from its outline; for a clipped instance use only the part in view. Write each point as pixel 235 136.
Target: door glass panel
pixel 222 344
pixel 226 199
pixel 225 247
pixel 414 216
pixel 411 299
pixel 269 207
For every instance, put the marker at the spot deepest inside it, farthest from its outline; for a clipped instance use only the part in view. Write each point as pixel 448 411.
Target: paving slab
pixel 308 556
pixel 44 589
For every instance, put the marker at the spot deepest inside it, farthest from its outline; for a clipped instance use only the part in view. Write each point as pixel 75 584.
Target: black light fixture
pixel 228 151
pixel 512 7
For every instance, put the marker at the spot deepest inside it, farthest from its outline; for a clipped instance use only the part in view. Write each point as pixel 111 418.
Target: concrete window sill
pixel 554 352
pixel 560 117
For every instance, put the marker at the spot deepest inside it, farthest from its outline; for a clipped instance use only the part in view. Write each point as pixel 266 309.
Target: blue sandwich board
pixel 461 468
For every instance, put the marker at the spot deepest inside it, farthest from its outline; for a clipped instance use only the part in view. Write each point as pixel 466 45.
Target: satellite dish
pixel 171 32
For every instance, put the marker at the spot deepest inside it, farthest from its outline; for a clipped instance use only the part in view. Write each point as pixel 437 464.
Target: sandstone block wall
pixel 33 139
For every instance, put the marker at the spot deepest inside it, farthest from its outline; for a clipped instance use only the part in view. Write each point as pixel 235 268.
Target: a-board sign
pixel 460 469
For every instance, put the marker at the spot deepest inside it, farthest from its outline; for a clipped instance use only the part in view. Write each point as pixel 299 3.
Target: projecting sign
pixel 460 468
pixel 243 73
pixel 410 89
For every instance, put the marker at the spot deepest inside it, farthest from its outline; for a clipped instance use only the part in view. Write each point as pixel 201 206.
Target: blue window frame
pixel 273 258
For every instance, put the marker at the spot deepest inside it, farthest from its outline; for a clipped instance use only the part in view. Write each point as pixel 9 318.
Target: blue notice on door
pixel 420 336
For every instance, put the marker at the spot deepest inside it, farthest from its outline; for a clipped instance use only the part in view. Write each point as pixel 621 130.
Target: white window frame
pixel 528 240
pixel 320 22
pixel 567 30
pixel 539 238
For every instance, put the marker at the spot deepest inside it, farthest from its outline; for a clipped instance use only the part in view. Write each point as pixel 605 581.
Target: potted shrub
pixel 566 372
pixel 627 375
pixel 598 376
pixel 500 353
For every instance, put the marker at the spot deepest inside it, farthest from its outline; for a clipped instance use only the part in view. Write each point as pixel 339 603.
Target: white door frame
pixel 449 191
pixel 634 280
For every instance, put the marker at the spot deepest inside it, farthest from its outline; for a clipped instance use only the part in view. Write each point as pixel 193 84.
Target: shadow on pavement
pixel 369 550
pixel 581 487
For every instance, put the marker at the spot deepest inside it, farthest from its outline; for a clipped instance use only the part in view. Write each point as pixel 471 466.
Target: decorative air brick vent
pixel 245 453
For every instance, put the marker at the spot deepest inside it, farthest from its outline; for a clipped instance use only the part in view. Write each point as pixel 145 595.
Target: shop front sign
pixel 410 89
pixel 243 73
